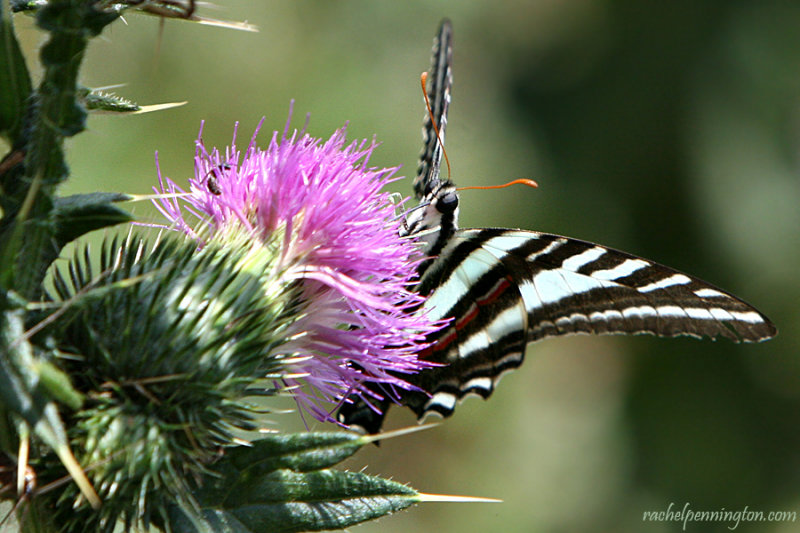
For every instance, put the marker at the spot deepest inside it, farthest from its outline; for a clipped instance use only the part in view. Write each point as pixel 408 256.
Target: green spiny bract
pixel 165 346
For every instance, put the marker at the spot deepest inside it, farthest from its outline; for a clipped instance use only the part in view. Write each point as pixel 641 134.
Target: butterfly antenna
pixel 521 181
pixel 423 79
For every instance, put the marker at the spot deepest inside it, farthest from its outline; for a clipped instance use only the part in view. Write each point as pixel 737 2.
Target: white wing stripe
pixel 720 314
pixel 643 311
pixel 709 293
pixel 751 317
pixel 444 399
pixel 507 321
pixel 671 311
pixel 471 269
pixel 547 249
pixel 550 286
pixel 699 313
pixel 675 279
pixel 575 262
pixel 445 297
pixel 605 316
pixel 477 341
pixel 483 383
pixel 579 283
pixel 565 321
pixel 626 268
pixel 501 244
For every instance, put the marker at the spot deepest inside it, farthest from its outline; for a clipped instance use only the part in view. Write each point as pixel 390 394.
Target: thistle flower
pixel 334 237
pixel 164 344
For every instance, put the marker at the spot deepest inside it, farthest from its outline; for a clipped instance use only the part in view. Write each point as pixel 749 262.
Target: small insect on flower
pixel 212 179
pixel 336 248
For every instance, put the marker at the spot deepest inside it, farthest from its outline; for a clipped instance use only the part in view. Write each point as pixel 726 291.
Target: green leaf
pixel 301 452
pixel 21 393
pixel 19 380
pixel 14 79
pixel 280 483
pixel 287 501
pixel 81 213
pixel 27 247
pixel 31 246
pixel 101 101
pixel 57 384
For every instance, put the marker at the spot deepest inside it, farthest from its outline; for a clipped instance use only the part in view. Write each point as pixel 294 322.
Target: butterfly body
pixel 435 222
pixel 502 289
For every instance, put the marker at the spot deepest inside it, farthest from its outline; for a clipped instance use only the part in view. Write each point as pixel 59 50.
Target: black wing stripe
pixel 566 250
pixel 456 252
pixel 562 286
pixel 486 339
pixel 439 84
pixel 444 233
pixel 460 250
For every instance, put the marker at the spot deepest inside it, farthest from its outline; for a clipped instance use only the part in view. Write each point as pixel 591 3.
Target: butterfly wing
pixel 439 83
pixel 507 288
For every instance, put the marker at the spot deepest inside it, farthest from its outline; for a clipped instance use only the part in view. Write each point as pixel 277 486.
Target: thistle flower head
pixel 334 236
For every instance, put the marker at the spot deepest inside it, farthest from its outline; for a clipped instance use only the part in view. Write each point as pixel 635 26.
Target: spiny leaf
pixel 79 214
pixel 301 452
pixel 285 501
pixel 98 101
pixel 103 101
pixel 14 79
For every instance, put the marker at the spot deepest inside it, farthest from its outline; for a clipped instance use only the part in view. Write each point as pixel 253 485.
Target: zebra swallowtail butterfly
pixel 505 288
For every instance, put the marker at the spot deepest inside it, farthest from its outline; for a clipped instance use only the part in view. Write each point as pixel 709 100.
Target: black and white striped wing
pixel 507 288
pixel 440 81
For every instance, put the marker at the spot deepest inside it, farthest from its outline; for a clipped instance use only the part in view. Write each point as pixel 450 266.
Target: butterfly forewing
pixel 438 85
pixel 574 286
pixel 507 288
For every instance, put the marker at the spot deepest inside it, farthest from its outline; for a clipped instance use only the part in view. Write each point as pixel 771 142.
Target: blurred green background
pixel 667 129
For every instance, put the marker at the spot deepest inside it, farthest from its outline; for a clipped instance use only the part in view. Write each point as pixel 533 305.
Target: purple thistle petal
pixel 338 237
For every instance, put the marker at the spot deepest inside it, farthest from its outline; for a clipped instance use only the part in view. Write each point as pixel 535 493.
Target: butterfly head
pixel 435 218
pixel 444 198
